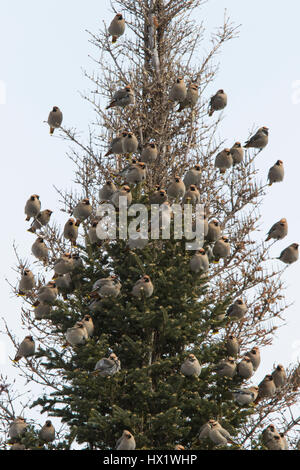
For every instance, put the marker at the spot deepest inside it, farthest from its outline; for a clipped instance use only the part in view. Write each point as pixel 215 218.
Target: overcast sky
pixel 43 48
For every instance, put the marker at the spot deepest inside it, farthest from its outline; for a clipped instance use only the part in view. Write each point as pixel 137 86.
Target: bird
pixel 237 153
pixel 266 388
pixel 71 230
pixel 17 428
pixel 47 294
pixel 254 355
pixel 237 310
pixel 107 191
pixel 276 173
pixel 40 250
pixel 279 376
pixel 130 143
pixel 204 430
pixel 193 176
pixel 232 345
pixel 276 443
pixel 218 435
pixel 125 193
pixel 245 396
pixel 116 27
pixel 214 231
pixel 126 441
pixel 268 433
pixel 191 98
pixel 199 262
pixel 27 282
pixel 192 196
pixel 245 368
pixel 143 286
pixel 278 231
pixel 116 145
pixel 32 207
pixel 92 233
pixel 107 367
pixel 290 254
pixel 41 310
pixel 224 160
pixel 25 349
pixel 259 140
pixel 226 367
pixel 149 153
pixel 159 196
pixel 77 335
pixel 64 265
pixel 106 287
pixel 64 284
pixel 122 98
pixel 47 432
pixel 217 102
pixel 55 119
pixel 89 325
pixel 135 173
pixel 83 210
pixel 176 190
pixel 191 366
pixel 41 220
pixel 221 249
pixel 178 91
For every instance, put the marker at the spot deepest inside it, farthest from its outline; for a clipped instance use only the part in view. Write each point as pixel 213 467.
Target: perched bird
pixel 204 430
pixel 268 434
pixel 217 102
pixel 176 190
pixel 123 192
pixel 83 210
pixel 27 282
pixel 89 325
pixel 232 345
pixel 40 250
pixel 237 153
pixel 276 443
pixel 122 98
pixel 42 310
pixel 47 432
pixel 259 140
pixel 191 366
pixel 226 367
pixel 77 335
pixel 130 143
pixel 126 442
pixel 193 176
pixel 221 249
pixel 143 286
pixel 254 355
pixel 279 376
pixel 116 145
pixel 278 231
pixel 290 254
pixel 55 119
pixel 214 231
pixel 64 284
pixel 135 173
pixel 71 230
pixel 245 368
pixel 266 388
pixel 17 428
pixel 191 98
pixel 237 310
pixel 47 294
pixel 41 220
pixel 64 265
pixel 107 367
pixel 149 153
pixel 25 349
pixel 199 262
pixel 107 191
pixel 224 160
pixel 92 234
pixel 191 196
pixel 107 287
pixel 159 196
pixel 117 27
pixel 178 91
pixel 245 396
pixel 218 435
pixel 276 173
pixel 32 207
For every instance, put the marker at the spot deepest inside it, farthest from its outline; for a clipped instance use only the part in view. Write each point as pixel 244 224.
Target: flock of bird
pixel 218 247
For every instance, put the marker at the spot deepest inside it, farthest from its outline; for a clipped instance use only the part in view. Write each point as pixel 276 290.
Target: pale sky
pixel 43 48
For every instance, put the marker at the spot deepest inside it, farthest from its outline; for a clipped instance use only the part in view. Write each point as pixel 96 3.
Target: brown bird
pixel 55 119
pixel 217 102
pixel 278 231
pixel 117 27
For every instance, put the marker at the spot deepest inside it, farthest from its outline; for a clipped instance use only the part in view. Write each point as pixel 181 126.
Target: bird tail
pixel 36 304
pixel 268 238
pixel 111 105
pixel 51 130
pixel 27 218
pixel 21 294
pixel 31 230
pixel 17 359
pixel 114 39
pixel 108 153
pixel 210 112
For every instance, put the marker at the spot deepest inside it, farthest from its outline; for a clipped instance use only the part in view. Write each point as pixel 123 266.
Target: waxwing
pixel 192 196
pixel 83 210
pixel 123 192
pixel 224 160
pixel 279 376
pixel 89 325
pixel 71 230
pixel 108 367
pixel 254 355
pixel 221 249
pixel 237 310
pixel 26 348
pixel 116 145
pixel 107 191
pixel 42 219
pixel 48 293
pixel 149 153
pixel 193 176
pixel 191 99
pixel 267 388
pixel 278 231
pixel 204 430
pixel 32 207
pixel 275 442
pixel 64 265
pixel 116 27
pixel 55 119
pixel 17 428
pixel 143 286
pixel 218 435
pixel 27 282
pixel 64 284
pixel 226 367
pixel 159 196
pixel 258 140
pixel 191 366
pixel 217 102
pixel 237 153
pixel 130 143
pixel 40 250
pixel 122 98
pixel 106 287
pixel 276 173
pixel 42 310
pixel 232 345
pixel 290 254
pixel 47 433
pixel 268 434
pixel 92 234
pixel 178 91
pixel 199 262
pixel 136 173
pixel 245 368
pixel 214 231
pixel 245 396
pixel 126 442
pixel 176 190
pixel 77 335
